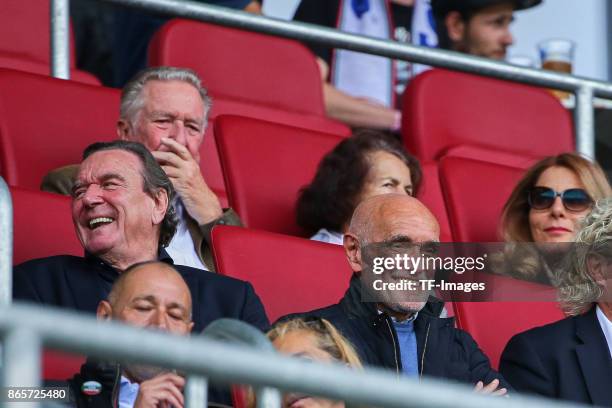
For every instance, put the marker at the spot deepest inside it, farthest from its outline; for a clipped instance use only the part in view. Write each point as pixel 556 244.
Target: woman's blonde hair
pixel 515 216
pixel 328 337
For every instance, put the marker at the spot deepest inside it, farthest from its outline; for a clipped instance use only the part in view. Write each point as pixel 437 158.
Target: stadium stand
pixel 475 192
pixel 25 40
pixel 45 123
pixel 279 73
pixel 265 164
pixel 289 274
pixel 531 123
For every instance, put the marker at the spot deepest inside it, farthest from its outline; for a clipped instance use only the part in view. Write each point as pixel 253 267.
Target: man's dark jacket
pixel 79 283
pixel 568 359
pixel 443 351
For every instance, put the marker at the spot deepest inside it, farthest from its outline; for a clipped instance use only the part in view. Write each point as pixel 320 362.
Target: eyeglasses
pixel 574 199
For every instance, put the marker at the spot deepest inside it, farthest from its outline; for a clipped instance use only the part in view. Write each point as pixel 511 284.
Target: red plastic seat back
pixel 241 65
pixel 289 274
pixel 443 109
pixel 25 39
pixel 475 192
pixel 493 323
pixel 60 366
pixel 265 165
pixel 46 123
pixel 430 194
pixel 42 226
pixel 210 164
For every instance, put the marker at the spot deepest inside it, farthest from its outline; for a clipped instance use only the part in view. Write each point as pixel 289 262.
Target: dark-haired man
pixel 123 214
pixel 477 27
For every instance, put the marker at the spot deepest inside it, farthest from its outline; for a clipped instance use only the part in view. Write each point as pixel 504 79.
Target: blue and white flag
pixel 423 30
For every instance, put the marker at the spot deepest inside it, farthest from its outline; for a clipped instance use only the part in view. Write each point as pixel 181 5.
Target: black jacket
pixel 108 375
pixel 568 359
pixel 443 351
pixel 81 283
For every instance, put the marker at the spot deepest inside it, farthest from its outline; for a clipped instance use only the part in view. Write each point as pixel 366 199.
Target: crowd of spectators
pixel 144 213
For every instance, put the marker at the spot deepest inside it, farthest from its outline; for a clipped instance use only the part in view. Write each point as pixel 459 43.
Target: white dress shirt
pixel 182 248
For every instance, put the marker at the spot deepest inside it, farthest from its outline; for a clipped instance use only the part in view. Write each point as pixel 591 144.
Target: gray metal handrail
pixel 6 244
pixel 26 328
pixel 583 88
pixel 60 39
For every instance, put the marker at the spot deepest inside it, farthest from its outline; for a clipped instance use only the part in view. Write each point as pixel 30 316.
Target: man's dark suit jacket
pixel 568 359
pixel 81 283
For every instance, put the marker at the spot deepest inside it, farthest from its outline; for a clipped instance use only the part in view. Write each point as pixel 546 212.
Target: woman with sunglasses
pixel 546 207
pixel 314 339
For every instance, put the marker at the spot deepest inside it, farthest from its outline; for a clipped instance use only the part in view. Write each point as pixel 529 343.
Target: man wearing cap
pixel 477 27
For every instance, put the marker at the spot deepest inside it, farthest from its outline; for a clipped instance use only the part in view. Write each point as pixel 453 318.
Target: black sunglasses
pixel 574 199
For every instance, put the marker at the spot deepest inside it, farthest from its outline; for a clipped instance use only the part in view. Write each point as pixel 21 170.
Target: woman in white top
pixel 368 163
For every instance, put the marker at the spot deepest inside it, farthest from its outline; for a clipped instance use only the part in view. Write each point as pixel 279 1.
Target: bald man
pixel 400 332
pixel 151 295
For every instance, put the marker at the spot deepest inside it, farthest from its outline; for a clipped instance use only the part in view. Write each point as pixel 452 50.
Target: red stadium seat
pixel 430 194
pixel 60 366
pixel 289 274
pixel 243 66
pixel 45 123
pixel 444 109
pixel 25 39
pixel 493 323
pixel 42 226
pixel 265 165
pixel 209 163
pixel 475 192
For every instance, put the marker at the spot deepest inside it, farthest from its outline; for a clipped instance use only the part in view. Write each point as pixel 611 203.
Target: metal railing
pixel 584 89
pixel 26 329
pixel 6 244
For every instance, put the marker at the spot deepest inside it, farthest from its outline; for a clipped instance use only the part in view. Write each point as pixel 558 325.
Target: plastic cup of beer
pixel 557 55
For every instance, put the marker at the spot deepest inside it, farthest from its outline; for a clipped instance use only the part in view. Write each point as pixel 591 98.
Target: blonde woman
pixel 315 339
pixel 546 207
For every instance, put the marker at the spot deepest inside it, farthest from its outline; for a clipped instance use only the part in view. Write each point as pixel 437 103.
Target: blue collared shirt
pixel 128 392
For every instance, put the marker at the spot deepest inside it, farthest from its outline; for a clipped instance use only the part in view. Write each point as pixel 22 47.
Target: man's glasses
pixel 574 199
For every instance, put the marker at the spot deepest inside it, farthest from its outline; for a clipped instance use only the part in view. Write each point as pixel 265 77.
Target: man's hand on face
pixel 490 388
pixel 164 390
pixel 184 173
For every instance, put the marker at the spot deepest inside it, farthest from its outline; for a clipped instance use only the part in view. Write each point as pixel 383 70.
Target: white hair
pixel 132 101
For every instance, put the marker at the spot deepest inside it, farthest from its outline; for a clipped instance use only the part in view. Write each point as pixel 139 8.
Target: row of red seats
pixel 69 116
pixel 442 110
